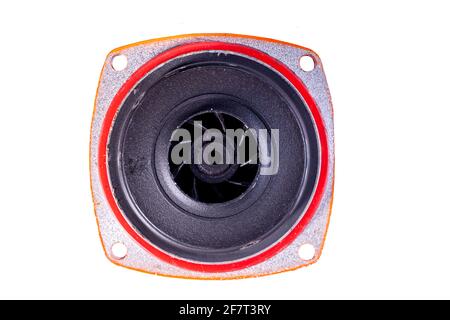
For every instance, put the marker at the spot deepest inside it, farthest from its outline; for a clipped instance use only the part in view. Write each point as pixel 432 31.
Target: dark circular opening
pixel 219 168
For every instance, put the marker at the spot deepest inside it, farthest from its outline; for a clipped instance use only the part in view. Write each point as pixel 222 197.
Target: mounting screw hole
pixel 119 62
pixel 307 63
pixel 307 252
pixel 119 251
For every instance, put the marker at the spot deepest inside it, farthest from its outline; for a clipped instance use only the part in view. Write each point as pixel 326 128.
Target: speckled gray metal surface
pixel 110 229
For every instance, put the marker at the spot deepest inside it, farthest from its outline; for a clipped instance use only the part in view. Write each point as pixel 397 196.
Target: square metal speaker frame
pixel 112 233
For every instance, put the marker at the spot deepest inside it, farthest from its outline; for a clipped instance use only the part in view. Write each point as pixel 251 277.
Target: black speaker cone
pixel 211 212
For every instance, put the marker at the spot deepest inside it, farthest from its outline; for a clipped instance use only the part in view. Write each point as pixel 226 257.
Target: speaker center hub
pixel 213 174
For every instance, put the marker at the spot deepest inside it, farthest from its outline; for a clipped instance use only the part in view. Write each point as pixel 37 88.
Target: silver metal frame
pixel 112 232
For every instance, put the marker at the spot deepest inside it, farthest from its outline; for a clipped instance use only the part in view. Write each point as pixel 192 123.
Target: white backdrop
pixel 387 65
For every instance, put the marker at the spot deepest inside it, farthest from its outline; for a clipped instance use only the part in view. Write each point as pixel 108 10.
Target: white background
pixel 388 66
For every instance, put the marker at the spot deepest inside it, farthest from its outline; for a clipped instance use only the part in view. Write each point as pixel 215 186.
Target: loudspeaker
pixel 212 156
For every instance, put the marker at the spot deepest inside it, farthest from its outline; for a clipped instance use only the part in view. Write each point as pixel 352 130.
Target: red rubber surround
pixel 192 48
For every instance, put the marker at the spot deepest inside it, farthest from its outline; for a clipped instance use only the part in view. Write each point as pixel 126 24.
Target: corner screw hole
pixel 307 63
pixel 119 251
pixel 307 252
pixel 119 62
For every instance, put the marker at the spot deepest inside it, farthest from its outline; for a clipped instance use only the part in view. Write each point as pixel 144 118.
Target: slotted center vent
pixel 215 181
